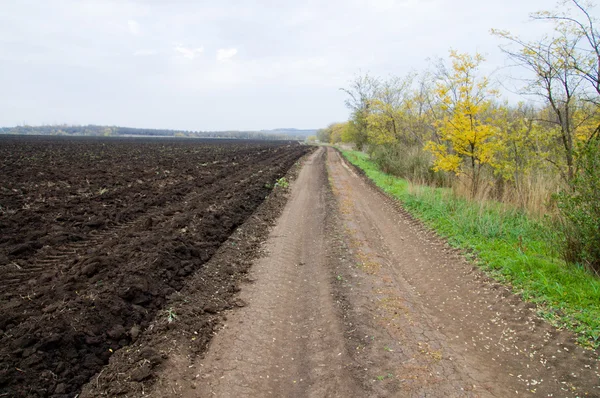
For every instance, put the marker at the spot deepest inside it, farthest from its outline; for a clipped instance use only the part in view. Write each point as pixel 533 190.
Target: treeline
pixel 448 126
pixel 108 131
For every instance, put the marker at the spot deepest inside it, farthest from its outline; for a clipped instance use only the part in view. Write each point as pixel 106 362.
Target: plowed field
pixel 96 234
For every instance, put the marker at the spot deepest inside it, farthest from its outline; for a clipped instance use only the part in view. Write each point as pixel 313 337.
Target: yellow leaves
pixel 379 131
pixel 337 132
pixel 586 120
pixel 465 137
pixel 500 33
pixel 464 63
pixel 443 161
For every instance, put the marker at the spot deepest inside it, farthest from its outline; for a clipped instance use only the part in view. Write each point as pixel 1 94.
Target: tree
pixel 557 81
pixel 465 140
pixel 579 23
pixel 337 131
pixel 324 135
pixel 361 92
pixel 518 151
pixel 386 120
pixel 350 134
pixel 420 110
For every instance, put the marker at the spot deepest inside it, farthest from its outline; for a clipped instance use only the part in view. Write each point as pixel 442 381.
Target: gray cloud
pixel 151 63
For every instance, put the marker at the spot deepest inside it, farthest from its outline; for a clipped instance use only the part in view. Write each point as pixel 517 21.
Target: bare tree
pixel 361 92
pixel 555 79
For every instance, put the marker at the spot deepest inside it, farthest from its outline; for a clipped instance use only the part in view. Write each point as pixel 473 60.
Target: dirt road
pixel 355 299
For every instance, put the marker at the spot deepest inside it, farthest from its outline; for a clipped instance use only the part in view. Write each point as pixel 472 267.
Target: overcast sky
pixel 216 65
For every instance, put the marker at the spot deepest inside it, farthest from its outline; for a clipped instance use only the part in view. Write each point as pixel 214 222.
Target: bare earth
pixel 356 299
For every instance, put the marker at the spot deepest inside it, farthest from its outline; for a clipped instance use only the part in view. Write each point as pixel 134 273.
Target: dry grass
pixel 534 194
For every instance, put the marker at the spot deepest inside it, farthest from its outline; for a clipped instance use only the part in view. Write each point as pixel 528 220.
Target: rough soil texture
pixel 200 307
pixel 354 298
pixel 288 340
pixel 98 236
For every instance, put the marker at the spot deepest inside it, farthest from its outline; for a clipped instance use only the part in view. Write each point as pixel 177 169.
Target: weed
pixel 171 315
pixel 382 378
pixel 282 182
pixel 102 191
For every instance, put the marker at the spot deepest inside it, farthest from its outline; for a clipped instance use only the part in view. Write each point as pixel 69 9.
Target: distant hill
pixel 291 131
pixel 108 131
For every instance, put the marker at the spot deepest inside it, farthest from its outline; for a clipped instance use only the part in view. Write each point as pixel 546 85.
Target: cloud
pixel 134 27
pixel 189 53
pixel 226 53
pixel 317 48
pixel 144 53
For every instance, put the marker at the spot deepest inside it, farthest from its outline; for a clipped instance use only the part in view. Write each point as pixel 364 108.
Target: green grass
pixel 511 247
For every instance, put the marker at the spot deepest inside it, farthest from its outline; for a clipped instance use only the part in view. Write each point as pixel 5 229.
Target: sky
pixel 228 65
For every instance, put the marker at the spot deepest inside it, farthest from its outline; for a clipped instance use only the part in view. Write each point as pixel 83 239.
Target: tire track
pixel 287 341
pixel 444 328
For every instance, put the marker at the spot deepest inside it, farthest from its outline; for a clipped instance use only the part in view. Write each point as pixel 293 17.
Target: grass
pixel 512 248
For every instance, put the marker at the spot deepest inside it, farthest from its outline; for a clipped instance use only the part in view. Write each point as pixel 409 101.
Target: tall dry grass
pixel 534 193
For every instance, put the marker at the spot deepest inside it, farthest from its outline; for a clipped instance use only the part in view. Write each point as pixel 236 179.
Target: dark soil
pixel 96 235
pixel 201 309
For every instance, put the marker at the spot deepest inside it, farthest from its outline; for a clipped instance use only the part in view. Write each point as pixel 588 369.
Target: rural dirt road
pixel 353 298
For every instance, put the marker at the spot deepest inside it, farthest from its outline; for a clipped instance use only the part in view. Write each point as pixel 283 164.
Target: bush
pixel 579 207
pixel 411 163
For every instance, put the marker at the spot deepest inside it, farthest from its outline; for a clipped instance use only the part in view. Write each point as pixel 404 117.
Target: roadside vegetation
pixel 518 184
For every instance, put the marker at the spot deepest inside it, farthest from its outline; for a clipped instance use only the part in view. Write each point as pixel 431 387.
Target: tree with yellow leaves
pixel 337 131
pixel 465 140
pixel 521 147
pixel 387 120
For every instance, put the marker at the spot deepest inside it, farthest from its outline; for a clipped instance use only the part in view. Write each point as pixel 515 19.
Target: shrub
pixel 411 163
pixel 282 182
pixel 579 207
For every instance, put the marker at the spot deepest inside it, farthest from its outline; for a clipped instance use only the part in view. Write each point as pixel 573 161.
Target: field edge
pixel 196 313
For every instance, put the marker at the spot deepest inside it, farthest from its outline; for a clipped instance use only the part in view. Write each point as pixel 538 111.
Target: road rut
pixel 446 329
pixel 354 298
